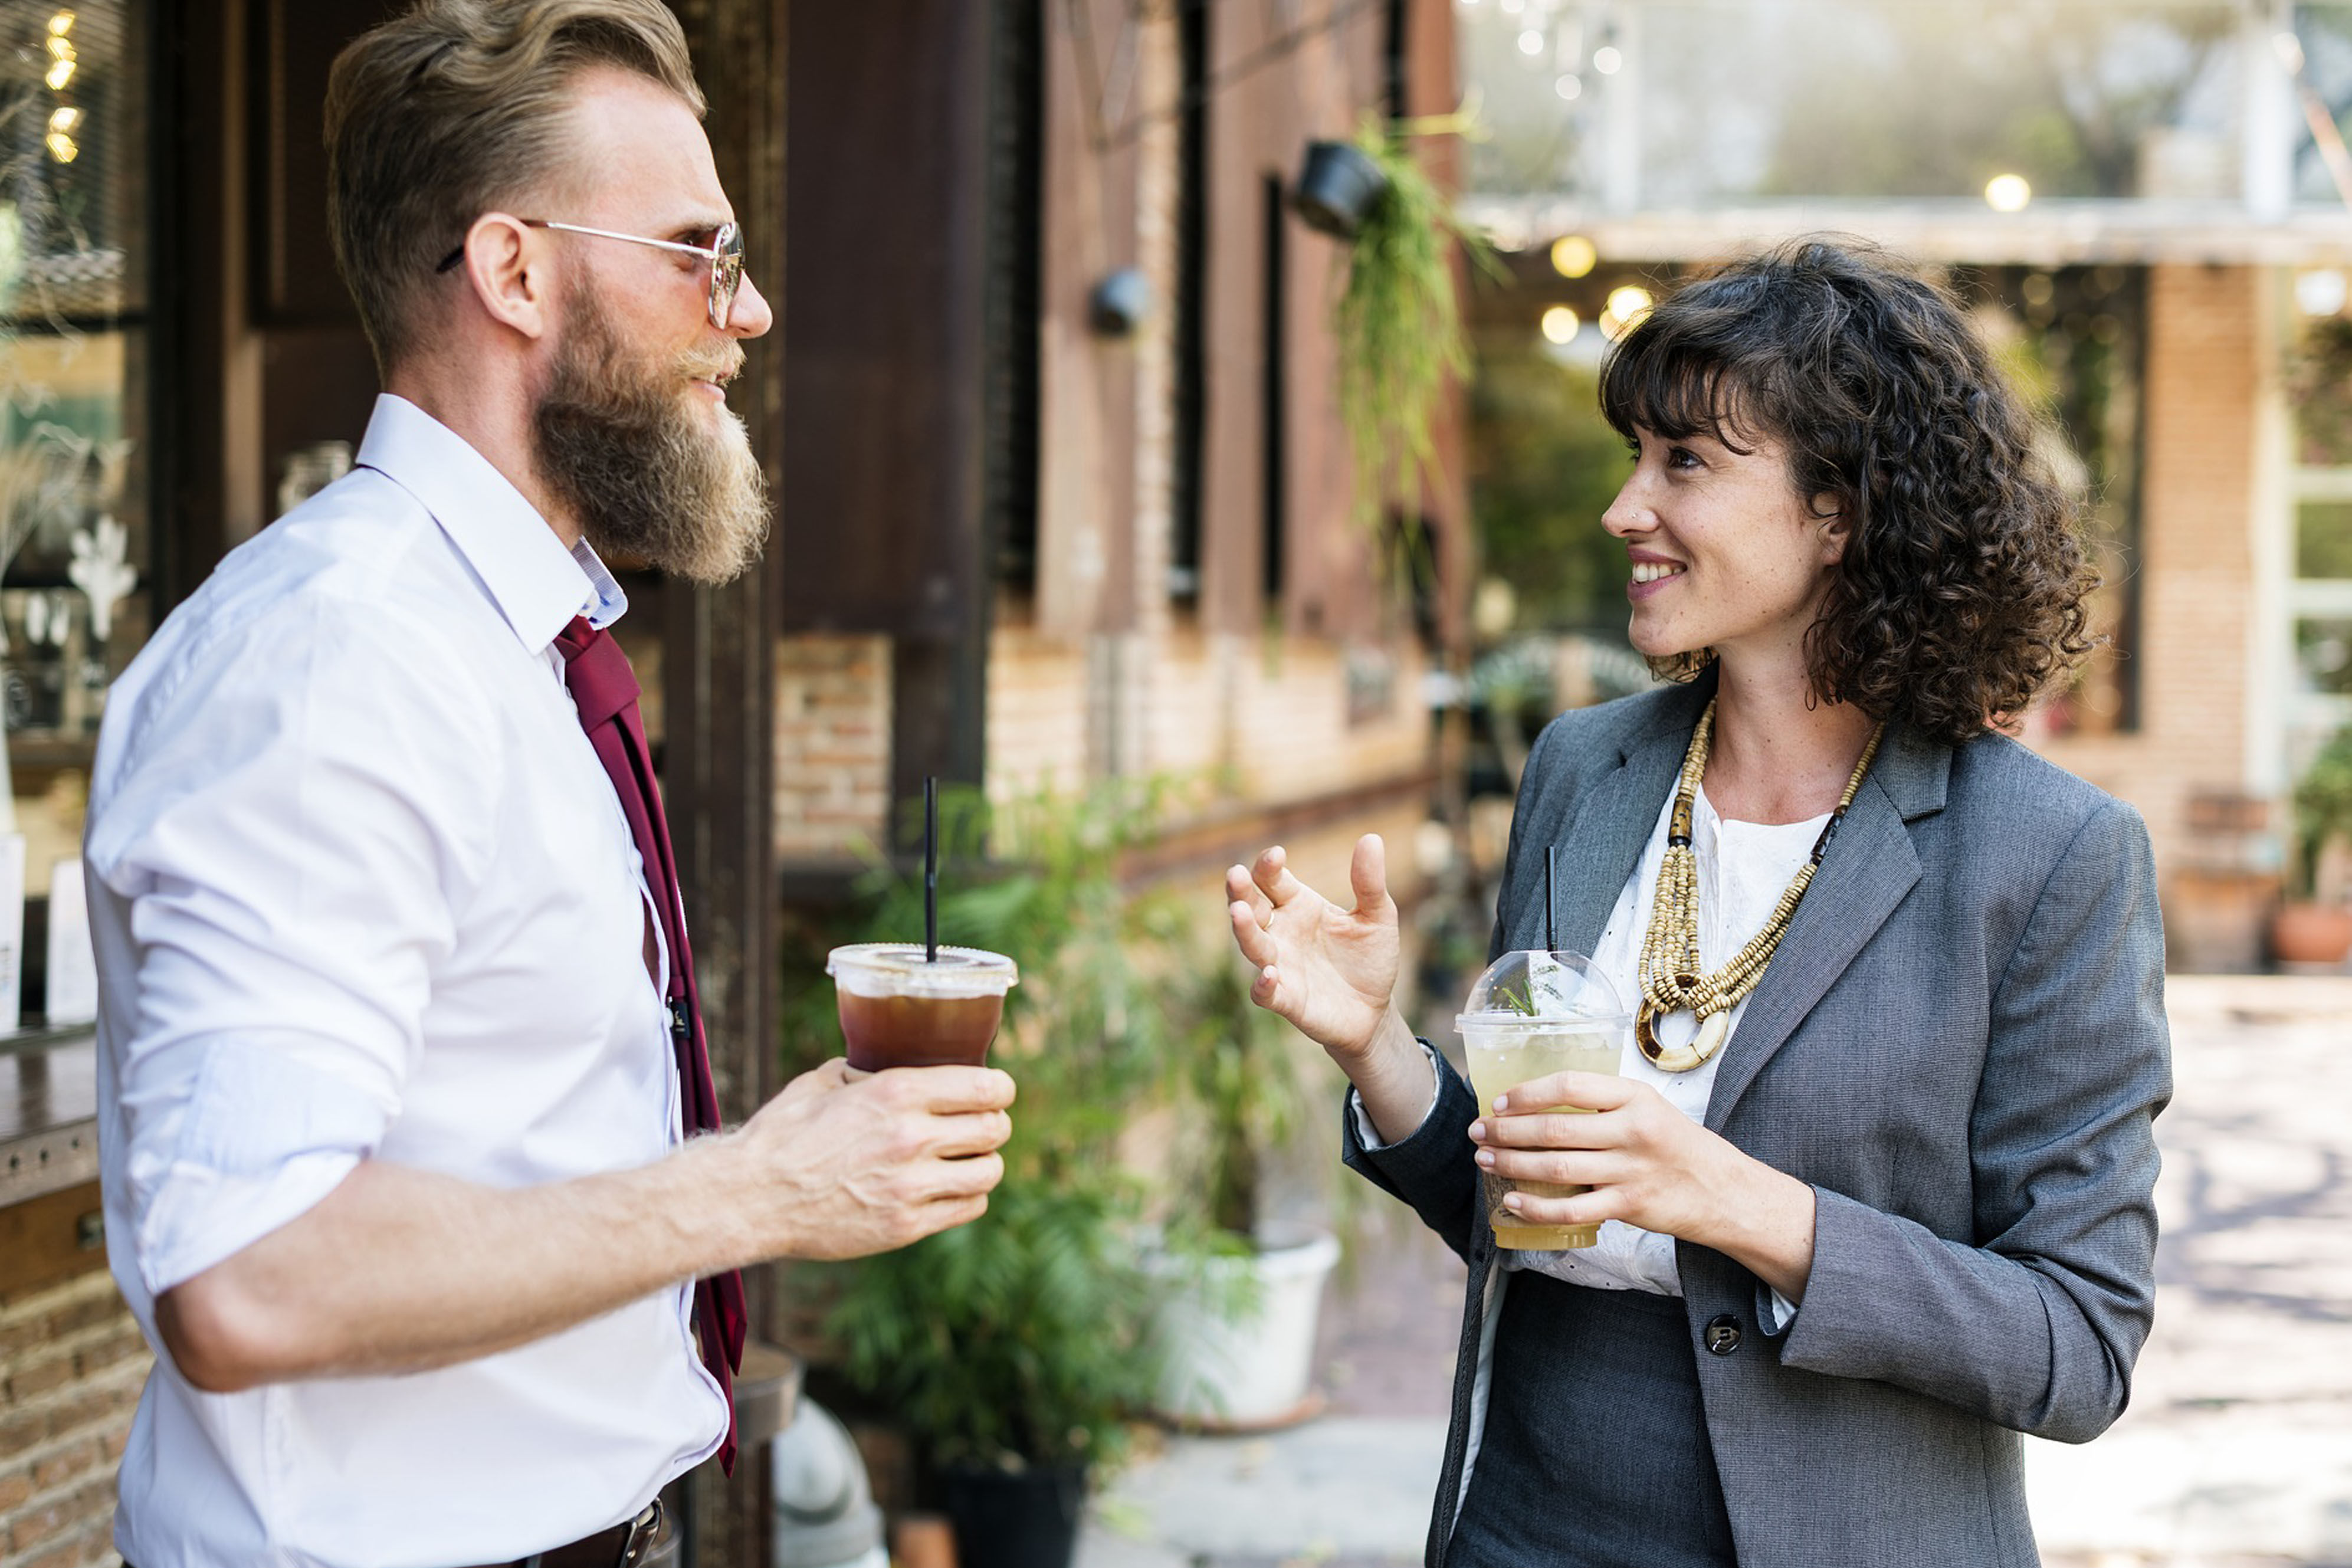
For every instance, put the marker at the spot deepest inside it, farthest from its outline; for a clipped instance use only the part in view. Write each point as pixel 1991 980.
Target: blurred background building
pixel 2145 204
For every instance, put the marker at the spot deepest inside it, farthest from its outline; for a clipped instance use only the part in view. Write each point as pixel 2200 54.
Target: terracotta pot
pixel 2312 934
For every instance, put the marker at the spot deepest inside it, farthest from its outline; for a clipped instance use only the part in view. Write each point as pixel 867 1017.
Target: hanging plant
pixel 1398 325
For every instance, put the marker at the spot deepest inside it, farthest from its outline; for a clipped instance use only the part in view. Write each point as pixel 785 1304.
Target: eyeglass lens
pixel 726 273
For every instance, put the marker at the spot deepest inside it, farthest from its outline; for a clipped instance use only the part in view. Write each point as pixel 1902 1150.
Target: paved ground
pixel 2237 1452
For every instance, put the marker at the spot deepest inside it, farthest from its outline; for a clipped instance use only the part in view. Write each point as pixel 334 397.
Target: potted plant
pixel 1016 1349
pixel 1397 324
pixel 1237 1327
pixel 2306 929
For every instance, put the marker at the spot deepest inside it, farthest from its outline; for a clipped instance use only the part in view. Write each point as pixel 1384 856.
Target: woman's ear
pixel 1835 528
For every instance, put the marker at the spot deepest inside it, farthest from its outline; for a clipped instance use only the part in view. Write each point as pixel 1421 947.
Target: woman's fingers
pixel 1580 1167
pixel 1272 874
pixel 1240 890
pixel 1368 873
pixel 1566 1130
pixel 1256 943
pixel 1585 1090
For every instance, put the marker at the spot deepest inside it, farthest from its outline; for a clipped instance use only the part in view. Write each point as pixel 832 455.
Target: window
pixel 74 454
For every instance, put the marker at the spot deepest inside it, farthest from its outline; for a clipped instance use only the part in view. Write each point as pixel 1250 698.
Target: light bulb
pixel 1573 256
pixel 2007 193
pixel 1559 323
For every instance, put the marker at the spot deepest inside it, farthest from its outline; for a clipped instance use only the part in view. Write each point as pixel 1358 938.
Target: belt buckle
pixel 640 1537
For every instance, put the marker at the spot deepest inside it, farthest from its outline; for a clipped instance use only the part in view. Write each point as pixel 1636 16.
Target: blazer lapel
pixel 1870 866
pixel 1603 841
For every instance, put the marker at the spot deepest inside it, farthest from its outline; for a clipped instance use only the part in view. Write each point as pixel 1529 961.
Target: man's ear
pixel 510 273
pixel 1836 528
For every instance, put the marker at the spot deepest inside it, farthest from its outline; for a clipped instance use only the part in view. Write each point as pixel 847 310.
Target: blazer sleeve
pixel 1430 1168
pixel 2038 1325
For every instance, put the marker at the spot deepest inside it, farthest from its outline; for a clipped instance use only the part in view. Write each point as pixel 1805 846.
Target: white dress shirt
pixel 1743 867
pixel 359 889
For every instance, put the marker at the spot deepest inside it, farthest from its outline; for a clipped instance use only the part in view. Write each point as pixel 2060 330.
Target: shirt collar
pixel 536 583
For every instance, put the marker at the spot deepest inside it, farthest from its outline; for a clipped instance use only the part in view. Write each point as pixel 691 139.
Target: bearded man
pixel 400 1061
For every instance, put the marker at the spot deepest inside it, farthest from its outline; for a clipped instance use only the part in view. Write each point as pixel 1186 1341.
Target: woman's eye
pixel 1682 457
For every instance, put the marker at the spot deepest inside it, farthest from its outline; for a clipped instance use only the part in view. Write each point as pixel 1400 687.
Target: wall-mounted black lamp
pixel 1120 303
pixel 1337 189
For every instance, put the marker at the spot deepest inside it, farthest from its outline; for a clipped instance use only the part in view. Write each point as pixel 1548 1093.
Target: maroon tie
pixel 604 689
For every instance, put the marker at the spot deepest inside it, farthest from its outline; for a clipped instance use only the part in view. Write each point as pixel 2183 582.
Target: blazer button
pixel 1722 1335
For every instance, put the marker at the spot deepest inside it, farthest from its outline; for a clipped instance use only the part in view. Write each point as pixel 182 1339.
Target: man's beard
pixel 641 472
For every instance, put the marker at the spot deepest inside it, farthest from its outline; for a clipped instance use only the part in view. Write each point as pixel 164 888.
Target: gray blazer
pixel 1961 1046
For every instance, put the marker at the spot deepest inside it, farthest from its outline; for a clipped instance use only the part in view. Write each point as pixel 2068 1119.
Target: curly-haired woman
pixel 1876 1172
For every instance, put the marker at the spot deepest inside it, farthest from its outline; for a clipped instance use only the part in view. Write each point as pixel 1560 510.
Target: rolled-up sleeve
pixel 275 857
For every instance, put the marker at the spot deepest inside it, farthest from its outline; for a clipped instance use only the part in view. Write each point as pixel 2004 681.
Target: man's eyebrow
pixel 695 228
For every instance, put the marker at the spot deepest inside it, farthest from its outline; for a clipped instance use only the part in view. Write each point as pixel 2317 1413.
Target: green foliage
pixel 2323 804
pixel 1021 1339
pixel 1398 325
pixel 1240 1097
pixel 1546 467
pixel 1018 1340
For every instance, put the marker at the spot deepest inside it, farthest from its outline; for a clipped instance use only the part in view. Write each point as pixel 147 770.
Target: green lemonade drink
pixel 1533 1014
pixel 1507 1059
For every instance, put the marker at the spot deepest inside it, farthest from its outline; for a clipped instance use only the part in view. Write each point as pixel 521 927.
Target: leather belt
pixel 625 1545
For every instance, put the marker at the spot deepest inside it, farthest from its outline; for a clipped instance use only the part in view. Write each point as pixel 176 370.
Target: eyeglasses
pixel 725 254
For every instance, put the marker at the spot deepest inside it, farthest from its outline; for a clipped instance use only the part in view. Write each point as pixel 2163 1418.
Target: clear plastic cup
pixel 1530 1015
pixel 899 1010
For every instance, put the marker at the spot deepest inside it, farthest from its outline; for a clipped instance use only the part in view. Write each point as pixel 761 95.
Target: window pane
pixel 2323 655
pixel 2322 540
pixel 73 515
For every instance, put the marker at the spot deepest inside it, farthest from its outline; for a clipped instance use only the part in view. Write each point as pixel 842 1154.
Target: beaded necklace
pixel 1672 981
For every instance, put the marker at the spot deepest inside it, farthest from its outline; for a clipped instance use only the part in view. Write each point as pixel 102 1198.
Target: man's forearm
pixel 399 1269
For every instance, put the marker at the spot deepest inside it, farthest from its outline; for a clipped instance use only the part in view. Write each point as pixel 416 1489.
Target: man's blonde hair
pixel 455 107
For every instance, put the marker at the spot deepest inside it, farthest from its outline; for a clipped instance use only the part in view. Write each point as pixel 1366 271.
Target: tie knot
pixel 597 671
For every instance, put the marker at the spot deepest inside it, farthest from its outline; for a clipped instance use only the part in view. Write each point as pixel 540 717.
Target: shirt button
pixel 1722 1335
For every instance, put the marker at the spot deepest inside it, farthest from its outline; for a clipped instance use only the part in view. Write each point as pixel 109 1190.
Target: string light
pixel 2007 193
pixel 58 75
pixel 1629 302
pixel 1573 256
pixel 1531 43
pixel 1568 88
pixel 1559 323
pixel 63 147
pixel 61 24
pixel 1606 58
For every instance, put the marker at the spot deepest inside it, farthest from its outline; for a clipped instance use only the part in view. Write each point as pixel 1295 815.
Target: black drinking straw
pixel 931 869
pixel 1551 869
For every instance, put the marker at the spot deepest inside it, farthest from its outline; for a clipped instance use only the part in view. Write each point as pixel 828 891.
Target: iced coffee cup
pixel 900 1009
pixel 1530 1015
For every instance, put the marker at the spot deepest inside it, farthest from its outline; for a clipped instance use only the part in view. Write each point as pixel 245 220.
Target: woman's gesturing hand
pixel 1331 972
pixel 1649 1165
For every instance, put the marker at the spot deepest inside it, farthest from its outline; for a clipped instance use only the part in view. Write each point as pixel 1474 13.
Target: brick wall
pixel 832 744
pixel 2209 361
pixel 71 1363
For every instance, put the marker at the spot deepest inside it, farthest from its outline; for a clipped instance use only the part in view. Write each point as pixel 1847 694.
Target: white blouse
pixel 1743 867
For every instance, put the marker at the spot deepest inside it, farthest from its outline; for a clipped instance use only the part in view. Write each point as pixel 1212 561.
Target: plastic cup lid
pixel 1531 990
pixel 899 969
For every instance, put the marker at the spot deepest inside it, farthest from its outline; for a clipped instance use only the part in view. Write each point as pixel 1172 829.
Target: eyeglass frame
pixel 724 253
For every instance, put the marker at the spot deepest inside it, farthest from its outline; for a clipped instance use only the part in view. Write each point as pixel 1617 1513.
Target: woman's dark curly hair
pixel 1960 593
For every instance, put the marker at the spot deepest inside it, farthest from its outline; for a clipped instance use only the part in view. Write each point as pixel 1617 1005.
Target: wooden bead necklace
pixel 1672 981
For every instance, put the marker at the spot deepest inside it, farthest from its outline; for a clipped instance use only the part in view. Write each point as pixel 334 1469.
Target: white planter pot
pixel 1253 1370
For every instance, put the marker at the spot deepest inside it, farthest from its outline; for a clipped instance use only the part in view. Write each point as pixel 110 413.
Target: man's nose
pixel 750 317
